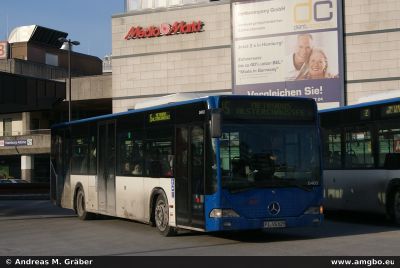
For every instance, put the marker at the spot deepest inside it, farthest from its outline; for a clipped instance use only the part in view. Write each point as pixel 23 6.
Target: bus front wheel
pixel 161 217
pixel 81 207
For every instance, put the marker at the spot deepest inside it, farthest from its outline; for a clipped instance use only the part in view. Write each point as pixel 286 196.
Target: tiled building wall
pixel 180 63
pixel 372 30
pixel 91 87
pixel 202 61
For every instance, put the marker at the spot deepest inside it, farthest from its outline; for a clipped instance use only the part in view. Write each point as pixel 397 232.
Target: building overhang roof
pixel 36 34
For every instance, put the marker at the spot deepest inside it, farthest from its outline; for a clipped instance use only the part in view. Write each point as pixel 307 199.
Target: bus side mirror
pixel 216 116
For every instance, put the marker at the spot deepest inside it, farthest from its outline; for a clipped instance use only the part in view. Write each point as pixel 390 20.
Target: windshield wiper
pixel 271 184
pixel 284 183
pixel 307 188
pixel 300 184
pixel 241 189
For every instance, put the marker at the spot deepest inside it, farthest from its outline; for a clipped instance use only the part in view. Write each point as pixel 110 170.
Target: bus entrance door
pixel 189 176
pixel 106 168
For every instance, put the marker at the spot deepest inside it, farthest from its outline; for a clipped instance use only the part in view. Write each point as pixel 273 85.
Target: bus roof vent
pixel 177 97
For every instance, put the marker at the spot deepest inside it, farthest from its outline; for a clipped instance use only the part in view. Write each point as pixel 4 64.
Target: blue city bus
pixel 215 163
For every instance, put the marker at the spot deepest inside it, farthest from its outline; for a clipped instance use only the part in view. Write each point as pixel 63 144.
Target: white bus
pixel 216 163
pixel 361 145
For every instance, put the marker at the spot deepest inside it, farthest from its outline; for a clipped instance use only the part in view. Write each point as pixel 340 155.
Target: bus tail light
pixel 223 213
pixel 315 210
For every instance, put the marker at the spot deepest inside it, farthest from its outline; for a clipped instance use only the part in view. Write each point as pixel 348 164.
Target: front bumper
pixel 240 223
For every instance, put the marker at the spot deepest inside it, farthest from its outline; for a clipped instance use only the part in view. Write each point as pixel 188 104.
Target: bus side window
pixel 389 145
pixel 336 159
pixel 93 152
pixel 359 149
pixel 80 156
pixel 155 168
pixel 392 161
pixel 333 153
pixel 130 153
pixel 158 158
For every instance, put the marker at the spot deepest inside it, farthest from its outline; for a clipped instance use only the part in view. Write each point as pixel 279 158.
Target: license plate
pixel 274 224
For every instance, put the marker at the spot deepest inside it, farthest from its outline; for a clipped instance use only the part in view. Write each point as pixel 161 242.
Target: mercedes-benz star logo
pixel 274 208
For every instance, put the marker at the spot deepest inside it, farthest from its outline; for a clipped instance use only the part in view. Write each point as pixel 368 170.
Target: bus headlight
pixel 223 213
pixel 315 210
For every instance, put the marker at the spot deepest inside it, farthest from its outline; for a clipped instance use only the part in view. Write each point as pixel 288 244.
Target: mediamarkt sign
pixel 164 29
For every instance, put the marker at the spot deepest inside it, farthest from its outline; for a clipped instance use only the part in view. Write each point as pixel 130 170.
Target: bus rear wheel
pixel 396 206
pixel 161 217
pixel 81 207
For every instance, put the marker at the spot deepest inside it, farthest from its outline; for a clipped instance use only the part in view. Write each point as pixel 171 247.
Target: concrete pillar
pixel 26 123
pixel 27 167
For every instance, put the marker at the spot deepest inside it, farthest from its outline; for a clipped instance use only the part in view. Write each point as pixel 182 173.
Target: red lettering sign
pixel 3 50
pixel 179 27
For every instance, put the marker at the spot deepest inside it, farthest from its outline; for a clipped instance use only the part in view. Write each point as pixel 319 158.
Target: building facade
pixel 164 47
pixel 26 105
pixel 372 46
pixel 196 61
pixel 148 64
pixel 33 82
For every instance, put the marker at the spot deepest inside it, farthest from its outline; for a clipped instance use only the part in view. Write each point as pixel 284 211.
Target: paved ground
pixel 39 228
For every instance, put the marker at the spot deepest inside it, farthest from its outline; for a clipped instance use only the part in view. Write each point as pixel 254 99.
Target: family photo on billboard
pixel 311 56
pixel 289 48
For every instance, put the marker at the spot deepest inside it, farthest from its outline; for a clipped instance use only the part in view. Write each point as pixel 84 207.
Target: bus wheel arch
pixel 79 203
pixel 159 214
pixel 393 200
pixel 153 199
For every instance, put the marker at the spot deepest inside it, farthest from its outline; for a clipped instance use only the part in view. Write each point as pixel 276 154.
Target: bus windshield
pixel 266 155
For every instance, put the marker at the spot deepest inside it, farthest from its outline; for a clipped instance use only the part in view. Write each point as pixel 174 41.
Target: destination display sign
pixel 157 117
pixel 391 110
pixel 267 110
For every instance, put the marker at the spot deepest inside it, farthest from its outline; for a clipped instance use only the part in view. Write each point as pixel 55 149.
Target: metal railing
pixel 34 69
pixel 107 67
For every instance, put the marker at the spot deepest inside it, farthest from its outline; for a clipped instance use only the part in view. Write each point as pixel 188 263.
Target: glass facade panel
pixel 160 3
pixel 132 5
pixel 174 2
pixel 146 4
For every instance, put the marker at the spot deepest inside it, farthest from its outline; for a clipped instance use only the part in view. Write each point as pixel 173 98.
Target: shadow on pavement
pixel 18 209
pixel 336 224
pixel 359 218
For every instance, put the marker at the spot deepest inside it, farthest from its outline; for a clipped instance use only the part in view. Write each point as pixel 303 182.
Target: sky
pixel 87 21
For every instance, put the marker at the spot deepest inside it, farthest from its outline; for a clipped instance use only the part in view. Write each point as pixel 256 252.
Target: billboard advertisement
pixel 289 48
